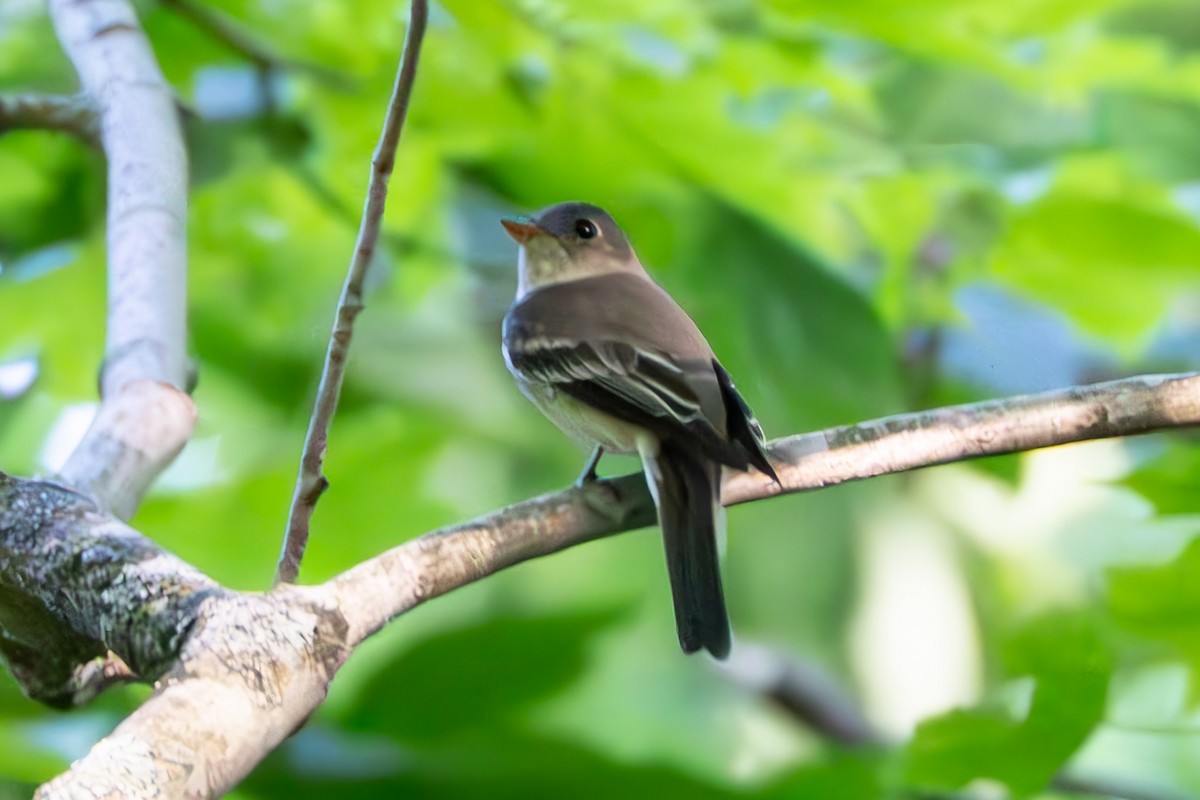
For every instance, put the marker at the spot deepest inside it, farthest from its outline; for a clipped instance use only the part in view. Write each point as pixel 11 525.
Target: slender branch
pixel 1124 407
pixel 75 115
pixel 145 362
pixel 311 482
pixel 395 581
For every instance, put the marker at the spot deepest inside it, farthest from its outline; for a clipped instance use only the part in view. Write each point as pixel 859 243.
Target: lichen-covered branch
pixel 311 482
pixel 75 115
pixel 144 373
pixel 382 587
pixel 84 599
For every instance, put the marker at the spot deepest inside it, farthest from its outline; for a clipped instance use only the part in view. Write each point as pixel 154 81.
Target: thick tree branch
pixel 74 115
pixel 86 601
pixel 255 668
pixel 311 482
pixel 251 668
pixel 395 581
pixel 145 418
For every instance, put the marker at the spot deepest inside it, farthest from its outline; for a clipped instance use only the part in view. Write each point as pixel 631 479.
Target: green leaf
pixel 1172 480
pixel 769 301
pixel 475 677
pixel 502 764
pixel 1161 601
pixel 23 760
pixel 1065 657
pixel 852 775
pixel 1105 248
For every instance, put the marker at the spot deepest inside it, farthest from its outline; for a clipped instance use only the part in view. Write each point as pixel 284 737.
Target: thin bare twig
pixel 74 114
pixel 311 482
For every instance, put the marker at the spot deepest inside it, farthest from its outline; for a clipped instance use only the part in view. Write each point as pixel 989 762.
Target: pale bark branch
pixel 311 482
pixel 145 365
pixel 255 668
pixel 907 441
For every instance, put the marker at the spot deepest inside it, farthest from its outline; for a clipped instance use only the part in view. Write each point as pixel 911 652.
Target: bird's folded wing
pixel 669 396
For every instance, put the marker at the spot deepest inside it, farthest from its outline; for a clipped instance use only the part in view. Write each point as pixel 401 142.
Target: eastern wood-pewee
pixel 612 360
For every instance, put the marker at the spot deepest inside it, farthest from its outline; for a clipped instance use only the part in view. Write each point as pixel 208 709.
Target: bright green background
pixel 869 207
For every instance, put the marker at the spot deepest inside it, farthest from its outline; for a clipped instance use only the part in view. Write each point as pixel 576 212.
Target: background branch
pixel 145 417
pixel 311 482
pixel 813 698
pixel 245 44
pixel 75 114
pixel 802 690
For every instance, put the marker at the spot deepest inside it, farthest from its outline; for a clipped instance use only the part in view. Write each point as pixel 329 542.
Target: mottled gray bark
pixel 84 599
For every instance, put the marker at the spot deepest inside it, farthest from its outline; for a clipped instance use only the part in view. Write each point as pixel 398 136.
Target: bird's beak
pixel 521 232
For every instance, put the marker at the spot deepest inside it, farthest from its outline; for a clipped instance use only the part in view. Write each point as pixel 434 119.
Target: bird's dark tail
pixel 686 489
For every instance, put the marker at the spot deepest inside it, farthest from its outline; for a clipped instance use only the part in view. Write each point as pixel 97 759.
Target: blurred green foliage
pixel 869 207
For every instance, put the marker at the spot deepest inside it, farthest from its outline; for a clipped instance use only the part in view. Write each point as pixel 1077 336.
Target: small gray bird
pixel 615 363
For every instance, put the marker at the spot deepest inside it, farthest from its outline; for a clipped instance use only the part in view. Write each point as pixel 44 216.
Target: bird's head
pixel 569 241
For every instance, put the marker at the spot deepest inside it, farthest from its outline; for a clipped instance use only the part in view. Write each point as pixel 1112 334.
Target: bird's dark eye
pixel 585 229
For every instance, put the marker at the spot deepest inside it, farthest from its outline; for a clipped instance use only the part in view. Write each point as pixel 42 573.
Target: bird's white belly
pixel 582 422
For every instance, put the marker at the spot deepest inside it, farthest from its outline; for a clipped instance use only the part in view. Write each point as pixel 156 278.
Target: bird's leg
pixel 589 469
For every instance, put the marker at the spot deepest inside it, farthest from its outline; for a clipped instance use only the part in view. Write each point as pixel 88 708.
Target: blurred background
pixel 869 208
